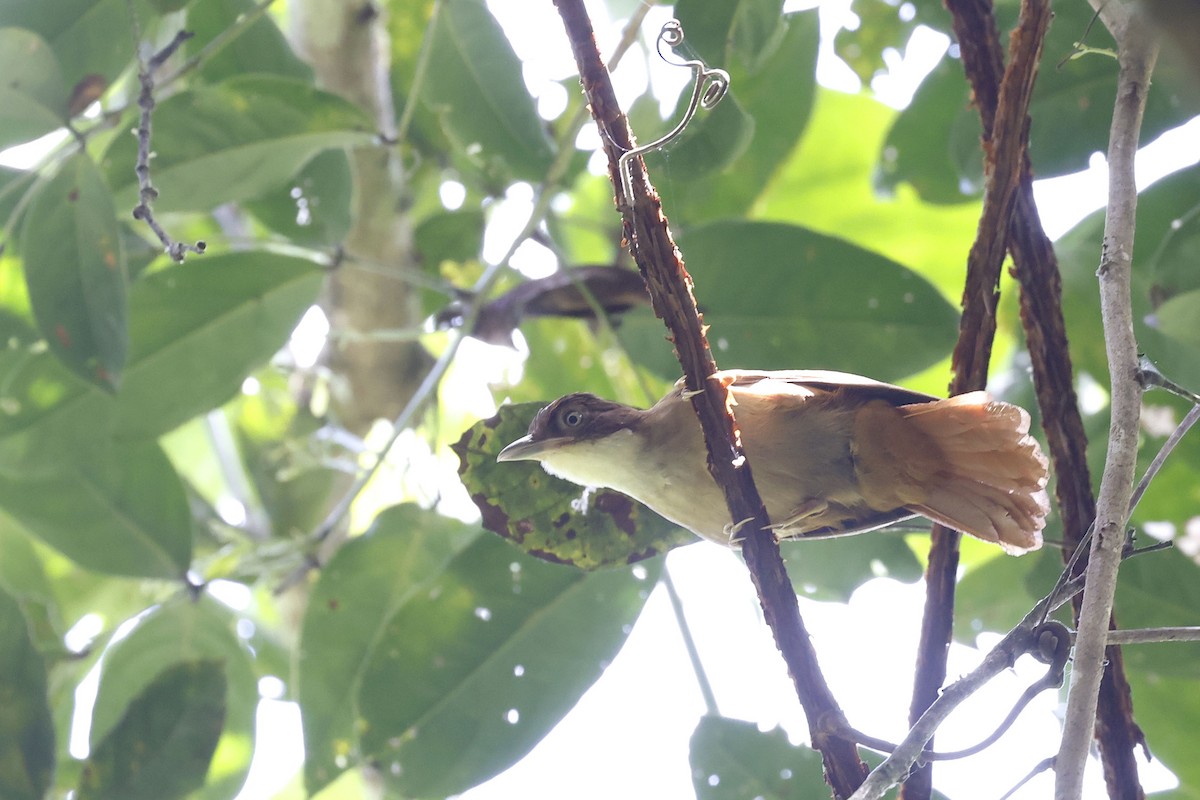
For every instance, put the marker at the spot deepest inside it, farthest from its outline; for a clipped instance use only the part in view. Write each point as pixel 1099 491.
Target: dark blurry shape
pixel 87 91
pixel 563 294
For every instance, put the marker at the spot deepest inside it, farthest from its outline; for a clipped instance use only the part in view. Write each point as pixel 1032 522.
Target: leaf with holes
pixel 544 515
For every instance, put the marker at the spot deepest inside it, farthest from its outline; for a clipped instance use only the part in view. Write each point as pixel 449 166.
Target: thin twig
pixel 1160 457
pixel 478 294
pixel 1045 635
pixel 220 41
pixel 1138 51
pixel 1150 635
pixel 146 191
pixel 689 643
pixel 419 398
pixel 1020 640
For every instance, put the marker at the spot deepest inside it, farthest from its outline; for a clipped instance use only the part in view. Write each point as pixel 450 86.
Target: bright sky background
pixel 628 737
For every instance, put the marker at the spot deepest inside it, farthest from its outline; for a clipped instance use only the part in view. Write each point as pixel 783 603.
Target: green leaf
pixel 1171 331
pixel 946 168
pixel 721 32
pixel 75 269
pixel 995 595
pixel 234 141
pixel 21 571
pixel 1169 232
pixel 777 96
pixel 229 312
pixel 490 658
pixel 33 99
pixel 14 183
pixel 169 6
pixel 121 514
pixel 827 185
pixel 734 760
pixel 1160 589
pixel 293 487
pixel 880 27
pixel 368 580
pixel 26 726
pixel 454 236
pixel 565 354
pixel 260 48
pixel 88 37
pixel 714 140
pixel 162 747
pixel 777 295
pixel 1167 709
pixel 1165 282
pixel 312 209
pixel 449 236
pixel 543 515
pixel 831 569
pixel 473 83
pixel 184 631
pixel 1070 111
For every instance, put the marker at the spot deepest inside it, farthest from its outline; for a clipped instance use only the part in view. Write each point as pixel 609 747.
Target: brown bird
pixel 832 454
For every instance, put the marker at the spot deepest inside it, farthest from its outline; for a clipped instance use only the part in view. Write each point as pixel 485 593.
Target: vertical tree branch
pixel 1036 269
pixel 1137 50
pixel 1005 135
pixel 670 286
pixel 348 47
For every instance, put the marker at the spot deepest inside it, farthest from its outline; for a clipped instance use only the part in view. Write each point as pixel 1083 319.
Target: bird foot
pixel 731 531
pixel 803 512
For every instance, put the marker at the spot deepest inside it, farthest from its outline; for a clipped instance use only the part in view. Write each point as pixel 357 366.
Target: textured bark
pixel 1003 105
pixel 346 44
pixel 649 239
pixel 1100 703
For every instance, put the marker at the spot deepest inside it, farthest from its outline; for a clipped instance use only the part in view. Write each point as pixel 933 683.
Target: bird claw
pixel 731 531
pixel 803 512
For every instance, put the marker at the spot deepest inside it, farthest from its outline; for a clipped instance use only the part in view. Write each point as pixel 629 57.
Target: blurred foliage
pixel 166 454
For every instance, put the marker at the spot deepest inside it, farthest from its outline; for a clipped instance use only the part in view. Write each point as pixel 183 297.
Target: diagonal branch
pixel 651 244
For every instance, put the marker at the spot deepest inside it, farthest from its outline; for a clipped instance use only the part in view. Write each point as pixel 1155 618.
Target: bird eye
pixel 572 418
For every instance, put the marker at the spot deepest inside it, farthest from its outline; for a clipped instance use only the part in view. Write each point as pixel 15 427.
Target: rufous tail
pixel 993 482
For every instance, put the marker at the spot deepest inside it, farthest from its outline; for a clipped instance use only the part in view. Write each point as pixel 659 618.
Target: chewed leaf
pixel 548 517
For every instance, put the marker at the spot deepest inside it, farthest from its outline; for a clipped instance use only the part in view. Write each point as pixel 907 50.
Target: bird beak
pixel 525 449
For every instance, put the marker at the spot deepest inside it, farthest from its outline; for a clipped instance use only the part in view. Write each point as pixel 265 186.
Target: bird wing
pixel 828 381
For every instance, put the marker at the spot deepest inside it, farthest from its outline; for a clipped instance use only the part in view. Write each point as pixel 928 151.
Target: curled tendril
pixel 708 88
